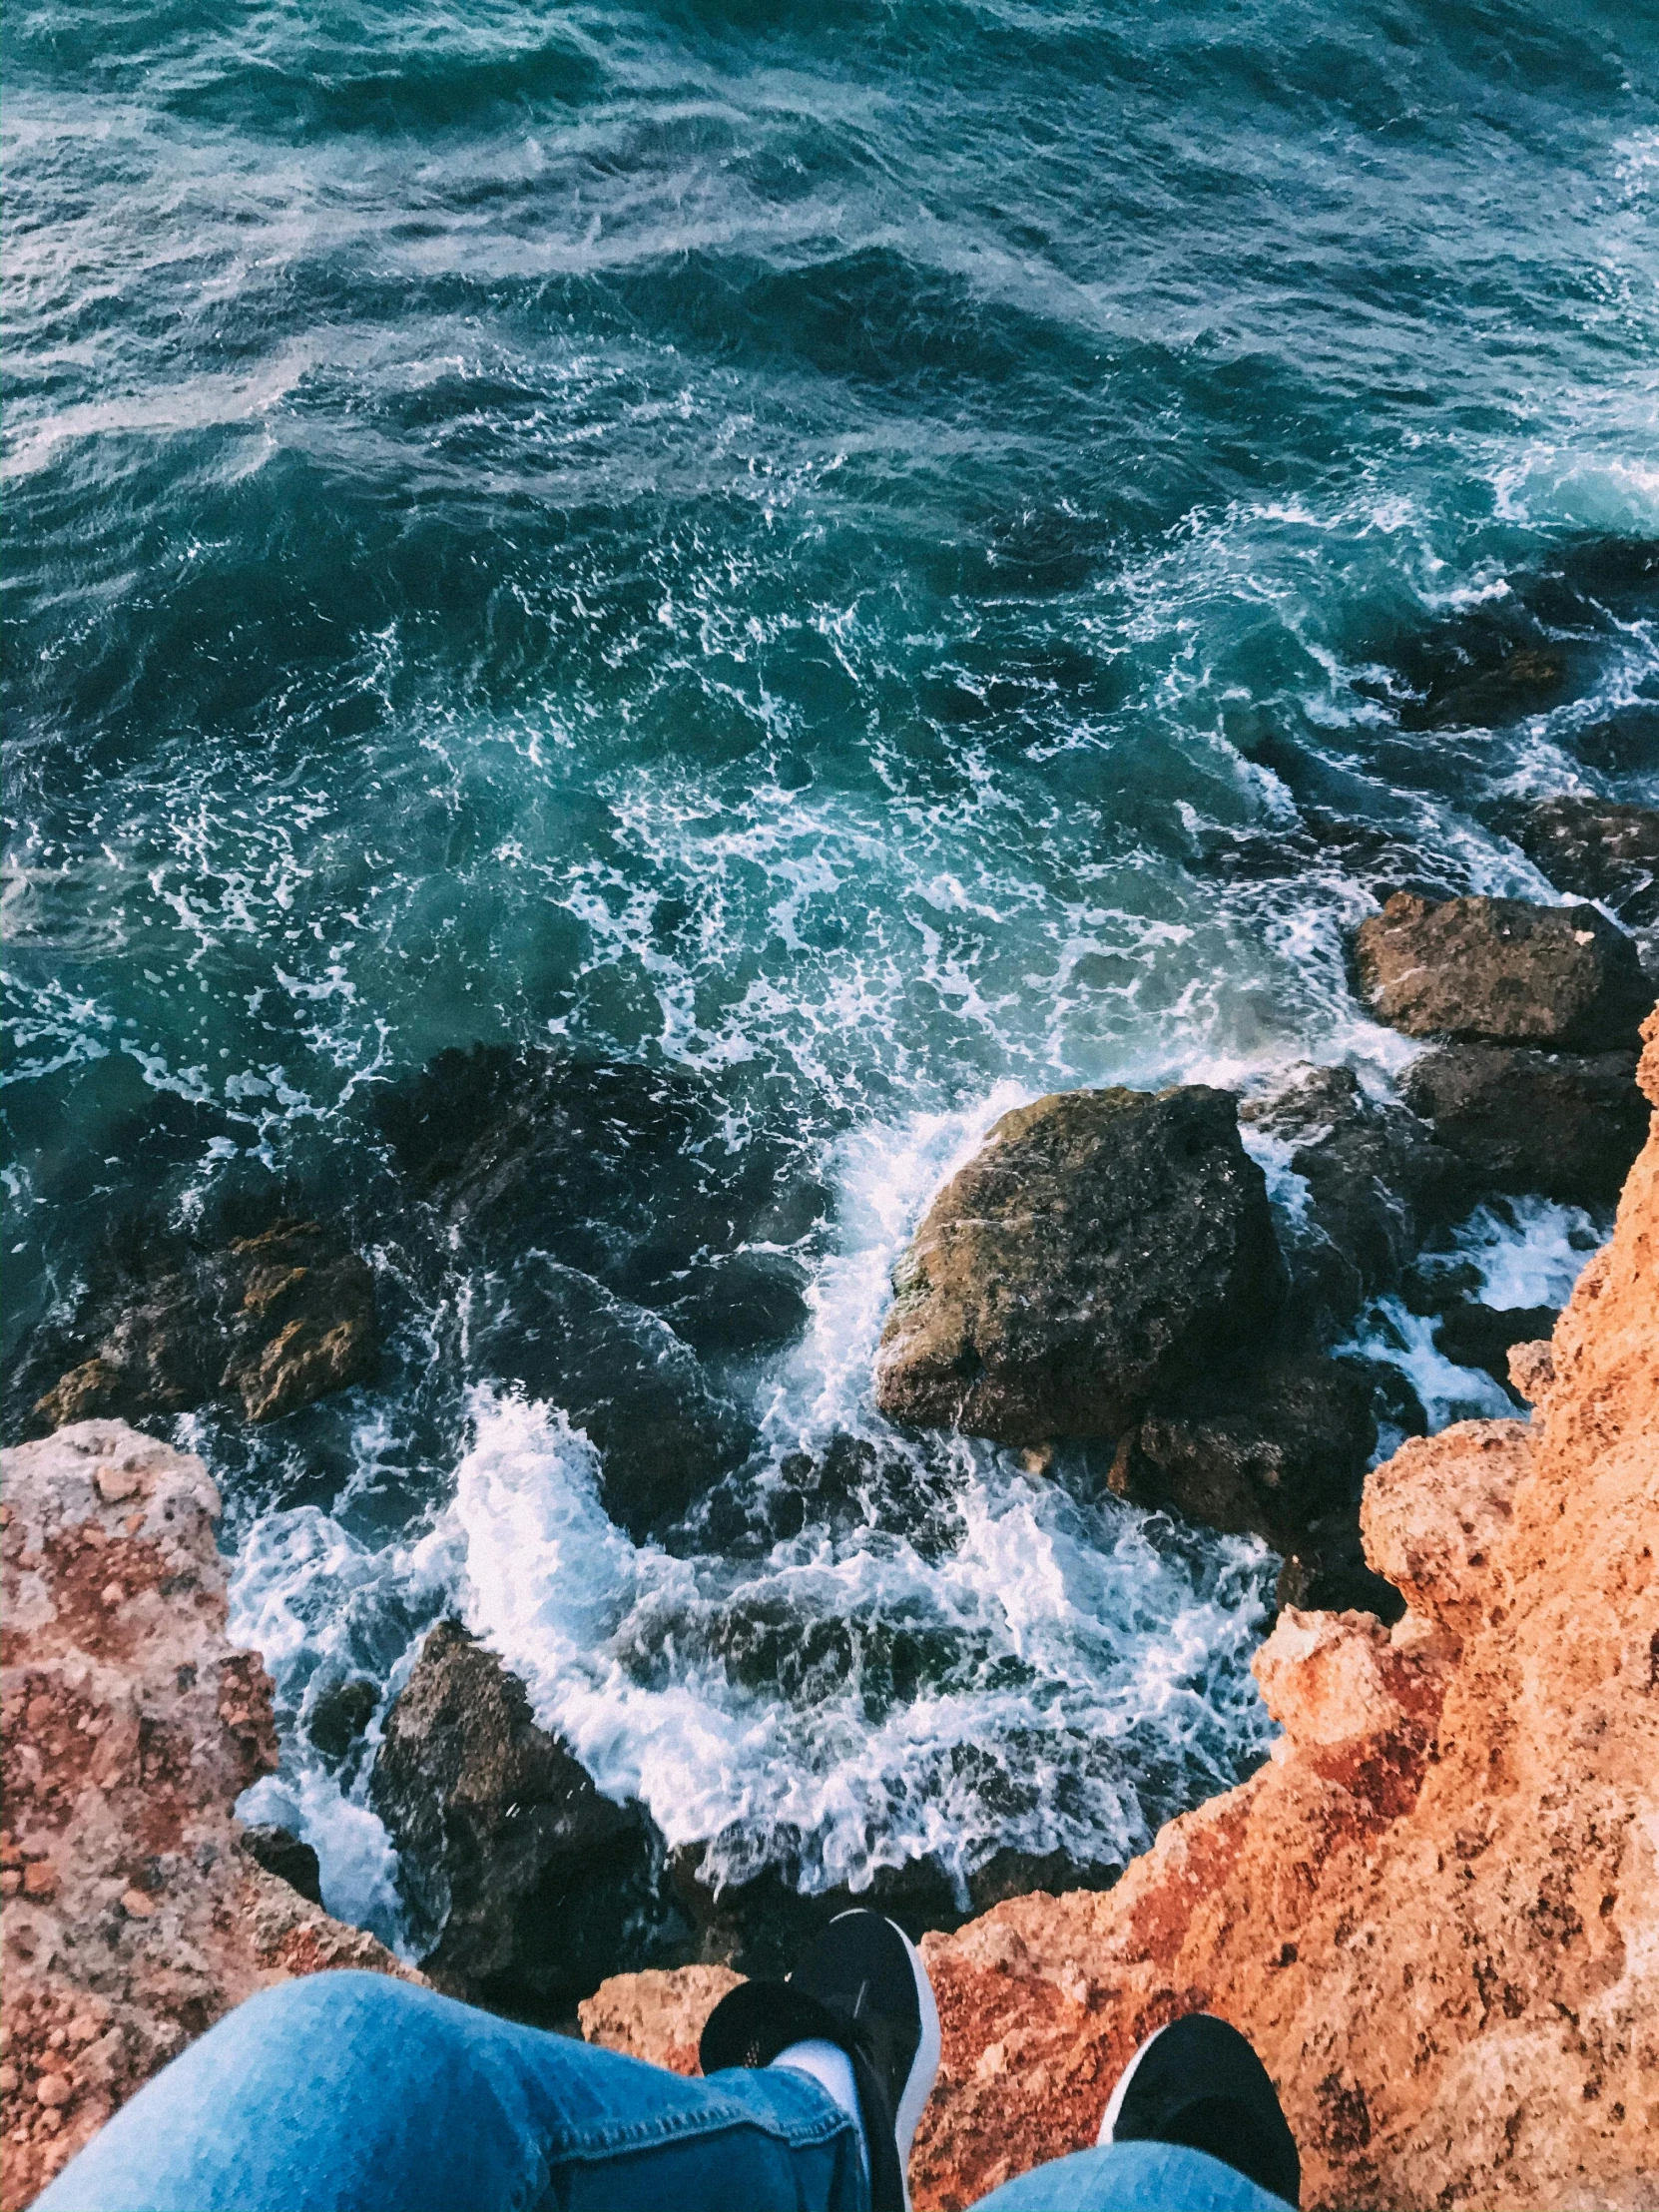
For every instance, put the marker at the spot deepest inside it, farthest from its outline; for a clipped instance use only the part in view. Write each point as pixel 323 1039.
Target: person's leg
pixel 1132 2177
pixel 351 2092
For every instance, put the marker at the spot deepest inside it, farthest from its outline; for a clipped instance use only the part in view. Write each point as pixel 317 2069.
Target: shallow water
pixel 899 556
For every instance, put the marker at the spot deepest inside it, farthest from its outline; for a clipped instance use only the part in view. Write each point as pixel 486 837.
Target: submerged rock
pixel 525 1885
pixel 268 1323
pixel 1597 848
pixel 664 1435
pixel 1501 971
pixel 1566 1126
pixel 635 1176
pixel 1101 1246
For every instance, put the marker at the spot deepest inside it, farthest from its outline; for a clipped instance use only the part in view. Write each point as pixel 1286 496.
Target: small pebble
pixel 8 2079
pixel 53 2090
pixel 136 1905
pixel 111 1594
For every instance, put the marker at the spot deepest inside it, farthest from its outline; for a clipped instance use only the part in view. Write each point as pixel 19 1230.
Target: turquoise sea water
pixel 896 556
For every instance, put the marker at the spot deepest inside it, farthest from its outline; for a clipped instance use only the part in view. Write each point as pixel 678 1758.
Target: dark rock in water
pixel 1626 743
pixel 283 1853
pixel 621 1374
pixel 527 1887
pixel 1265 1453
pixel 1327 1573
pixel 634 1176
pixel 1566 1126
pixel 1321 840
pixel 1099 1248
pixel 1474 1336
pixel 340 1714
pixel 269 1322
pixel 1519 679
pixel 1377 1183
pixel 1597 849
pixel 1500 971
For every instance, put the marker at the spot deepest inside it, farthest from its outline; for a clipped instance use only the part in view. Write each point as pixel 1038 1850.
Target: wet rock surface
pixel 1475 1336
pixel 1501 971
pixel 630 1175
pixel 1267 1455
pixel 522 1882
pixel 1597 848
pixel 1564 1125
pixel 1099 1248
pixel 625 1243
pixel 266 1324
pixel 1378 1181
pixel 131 1916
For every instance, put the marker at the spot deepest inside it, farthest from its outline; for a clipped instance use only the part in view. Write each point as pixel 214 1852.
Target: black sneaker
pixel 862 1986
pixel 1197 2082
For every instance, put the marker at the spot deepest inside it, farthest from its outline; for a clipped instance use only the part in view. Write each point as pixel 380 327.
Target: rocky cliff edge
pixel 1435 1910
pixel 131 1919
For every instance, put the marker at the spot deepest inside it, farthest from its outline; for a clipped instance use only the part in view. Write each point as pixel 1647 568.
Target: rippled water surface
pixel 895 556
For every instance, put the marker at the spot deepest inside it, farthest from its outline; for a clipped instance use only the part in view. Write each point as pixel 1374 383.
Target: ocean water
pixel 897 557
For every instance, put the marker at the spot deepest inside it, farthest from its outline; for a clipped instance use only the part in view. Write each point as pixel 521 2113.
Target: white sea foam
pixel 1528 1251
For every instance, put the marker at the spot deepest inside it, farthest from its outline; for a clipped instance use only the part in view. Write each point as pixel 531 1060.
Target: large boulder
pixel 1501 971
pixel 1100 1246
pixel 266 1324
pixel 1566 1126
pixel 524 1885
pixel 1597 848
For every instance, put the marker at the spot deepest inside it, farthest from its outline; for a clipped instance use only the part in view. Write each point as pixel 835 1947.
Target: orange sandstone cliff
pixel 131 1919
pixel 1435 1911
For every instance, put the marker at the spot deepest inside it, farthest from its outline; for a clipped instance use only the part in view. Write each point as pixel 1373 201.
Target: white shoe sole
pixel 924 2072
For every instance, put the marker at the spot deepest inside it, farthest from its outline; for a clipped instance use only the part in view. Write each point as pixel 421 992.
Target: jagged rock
pixel 1564 1125
pixel 268 1323
pixel 1267 1457
pixel 285 1856
pixel 1597 848
pixel 1377 1183
pixel 522 1880
pixel 129 1727
pixel 1475 1336
pixel 1501 971
pixel 1436 1908
pixel 337 1714
pixel 1101 1246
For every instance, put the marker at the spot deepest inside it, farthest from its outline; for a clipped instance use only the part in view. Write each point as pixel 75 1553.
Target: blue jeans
pixel 348 2092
